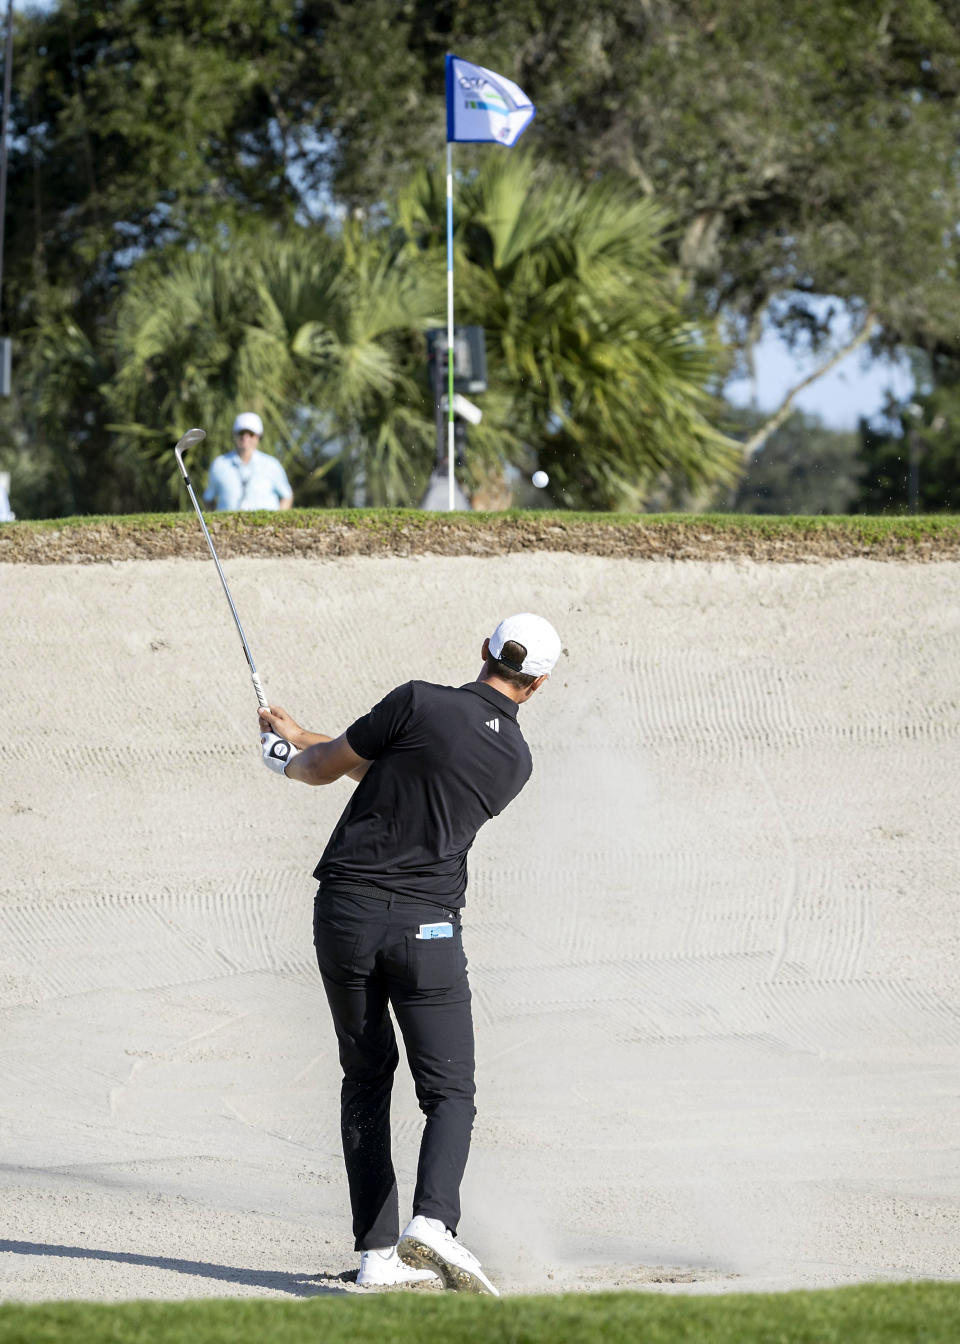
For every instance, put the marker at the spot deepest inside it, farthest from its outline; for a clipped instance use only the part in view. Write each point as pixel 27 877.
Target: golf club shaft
pixel 261 697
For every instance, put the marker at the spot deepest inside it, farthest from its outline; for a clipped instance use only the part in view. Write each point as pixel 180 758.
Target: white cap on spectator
pixel 536 635
pixel 248 420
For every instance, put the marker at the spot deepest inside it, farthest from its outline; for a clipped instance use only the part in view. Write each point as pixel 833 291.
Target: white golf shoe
pixel 426 1243
pixel 385 1269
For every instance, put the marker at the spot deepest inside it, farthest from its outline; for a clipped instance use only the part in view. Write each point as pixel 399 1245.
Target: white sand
pixel 714 945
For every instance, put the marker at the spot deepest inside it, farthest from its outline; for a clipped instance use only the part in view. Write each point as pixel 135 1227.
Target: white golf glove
pixel 277 751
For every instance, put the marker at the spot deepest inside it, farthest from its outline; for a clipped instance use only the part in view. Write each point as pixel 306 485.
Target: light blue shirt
pixel 258 484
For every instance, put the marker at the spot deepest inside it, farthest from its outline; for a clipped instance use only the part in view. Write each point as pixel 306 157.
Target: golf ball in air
pixel 540 479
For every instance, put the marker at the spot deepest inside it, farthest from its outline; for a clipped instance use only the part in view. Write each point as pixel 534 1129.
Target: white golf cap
pixel 248 420
pixel 537 636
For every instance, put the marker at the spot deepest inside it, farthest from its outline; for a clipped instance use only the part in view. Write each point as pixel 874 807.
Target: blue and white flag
pixel 483 106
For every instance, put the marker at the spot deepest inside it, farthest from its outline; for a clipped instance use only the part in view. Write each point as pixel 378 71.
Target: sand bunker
pixel 713 945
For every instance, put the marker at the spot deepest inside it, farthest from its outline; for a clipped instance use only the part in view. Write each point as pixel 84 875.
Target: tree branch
pixel 759 438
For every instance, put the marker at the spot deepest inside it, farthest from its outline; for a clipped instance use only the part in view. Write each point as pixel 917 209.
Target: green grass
pixel 912 1313
pixel 875 527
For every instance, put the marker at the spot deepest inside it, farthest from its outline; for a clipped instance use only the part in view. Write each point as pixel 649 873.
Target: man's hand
pixel 276 720
pixel 323 759
pixel 277 751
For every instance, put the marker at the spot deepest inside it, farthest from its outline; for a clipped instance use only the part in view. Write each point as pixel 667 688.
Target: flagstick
pixel 491 108
pixel 451 435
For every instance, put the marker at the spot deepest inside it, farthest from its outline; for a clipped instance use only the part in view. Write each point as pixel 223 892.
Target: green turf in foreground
pixel 912 1313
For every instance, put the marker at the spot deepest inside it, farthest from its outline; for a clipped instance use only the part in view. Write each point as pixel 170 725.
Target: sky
pixel 855 387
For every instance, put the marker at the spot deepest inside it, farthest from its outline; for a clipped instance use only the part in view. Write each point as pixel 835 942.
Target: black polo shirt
pixel 445 760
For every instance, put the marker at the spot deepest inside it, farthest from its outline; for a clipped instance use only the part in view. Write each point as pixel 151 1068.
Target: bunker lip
pixel 331 534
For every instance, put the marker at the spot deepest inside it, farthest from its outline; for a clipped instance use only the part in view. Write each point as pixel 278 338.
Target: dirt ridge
pixel 102 541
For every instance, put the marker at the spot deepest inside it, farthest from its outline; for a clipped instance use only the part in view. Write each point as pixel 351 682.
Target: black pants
pixel 370 956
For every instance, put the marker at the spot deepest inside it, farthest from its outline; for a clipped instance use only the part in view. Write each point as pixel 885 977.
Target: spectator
pixel 247 478
pixel 7 514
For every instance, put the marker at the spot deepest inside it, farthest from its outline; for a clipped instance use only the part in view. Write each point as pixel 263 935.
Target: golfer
pixel 247 478
pixel 433 764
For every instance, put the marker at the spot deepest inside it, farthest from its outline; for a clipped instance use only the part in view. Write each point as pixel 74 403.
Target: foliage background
pixel 242 202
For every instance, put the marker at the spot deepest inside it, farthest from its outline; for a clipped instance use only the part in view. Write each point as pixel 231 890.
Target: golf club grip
pixel 257 686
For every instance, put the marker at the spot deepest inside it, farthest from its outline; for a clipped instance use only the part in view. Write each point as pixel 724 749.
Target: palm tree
pixel 597 373
pixel 316 332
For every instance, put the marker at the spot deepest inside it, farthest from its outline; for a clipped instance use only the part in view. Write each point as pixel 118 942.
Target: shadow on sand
pixel 296 1285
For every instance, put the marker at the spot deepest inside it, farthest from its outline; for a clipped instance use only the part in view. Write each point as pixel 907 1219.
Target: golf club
pixel 191 437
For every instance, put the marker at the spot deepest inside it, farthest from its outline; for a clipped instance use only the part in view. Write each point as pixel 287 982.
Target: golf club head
pixel 191 437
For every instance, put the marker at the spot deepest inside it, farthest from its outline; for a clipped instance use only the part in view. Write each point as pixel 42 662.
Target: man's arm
pixel 282 485
pixel 326 761
pixel 321 759
pixel 212 490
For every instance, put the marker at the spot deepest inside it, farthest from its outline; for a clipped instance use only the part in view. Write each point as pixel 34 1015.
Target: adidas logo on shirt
pixel 494 724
